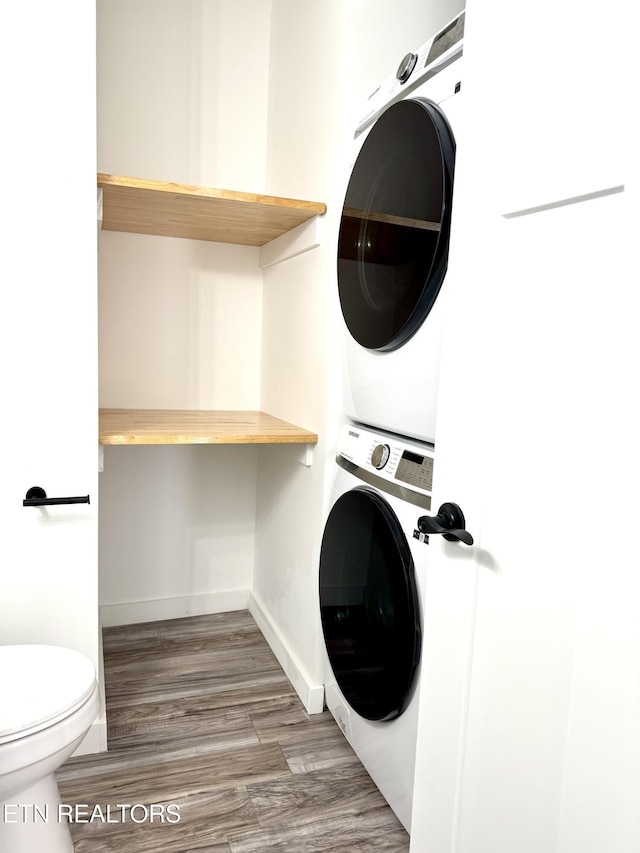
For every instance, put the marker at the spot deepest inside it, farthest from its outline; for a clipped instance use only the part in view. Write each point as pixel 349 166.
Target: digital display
pixel 444 40
pixel 416 470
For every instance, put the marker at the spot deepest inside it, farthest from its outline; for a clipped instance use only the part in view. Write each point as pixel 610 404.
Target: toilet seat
pixel 43 685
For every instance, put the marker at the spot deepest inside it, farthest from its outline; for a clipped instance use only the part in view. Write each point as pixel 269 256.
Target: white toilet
pixel 49 698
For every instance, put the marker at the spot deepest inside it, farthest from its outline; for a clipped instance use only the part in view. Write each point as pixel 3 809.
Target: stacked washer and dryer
pixel 393 250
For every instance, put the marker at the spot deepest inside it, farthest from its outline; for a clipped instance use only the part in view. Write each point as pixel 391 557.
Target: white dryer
pixel 373 564
pixel 393 243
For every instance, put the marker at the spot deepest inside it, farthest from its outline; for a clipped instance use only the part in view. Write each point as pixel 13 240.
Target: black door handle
pixel 449 522
pixel 36 496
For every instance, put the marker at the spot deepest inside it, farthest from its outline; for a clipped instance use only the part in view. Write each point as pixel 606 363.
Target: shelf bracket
pixel 302 453
pixel 301 239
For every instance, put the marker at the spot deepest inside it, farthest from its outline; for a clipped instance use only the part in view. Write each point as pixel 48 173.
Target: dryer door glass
pixel 369 605
pixel 394 233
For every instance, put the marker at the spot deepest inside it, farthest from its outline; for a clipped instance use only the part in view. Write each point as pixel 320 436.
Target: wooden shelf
pixel 178 426
pixel 199 213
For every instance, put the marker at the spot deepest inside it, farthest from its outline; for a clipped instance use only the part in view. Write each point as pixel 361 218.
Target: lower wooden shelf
pixel 180 426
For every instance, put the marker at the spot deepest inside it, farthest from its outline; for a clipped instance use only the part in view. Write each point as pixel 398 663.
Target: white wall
pixel 182 87
pixel 325 60
pixel 302 145
pixel 179 535
pixel 182 96
pixel 179 323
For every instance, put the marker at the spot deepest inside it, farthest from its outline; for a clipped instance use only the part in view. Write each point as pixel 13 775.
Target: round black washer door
pixel 369 605
pixel 393 243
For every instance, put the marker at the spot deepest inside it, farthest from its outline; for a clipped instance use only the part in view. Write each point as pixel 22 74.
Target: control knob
pixel 380 455
pixel 405 69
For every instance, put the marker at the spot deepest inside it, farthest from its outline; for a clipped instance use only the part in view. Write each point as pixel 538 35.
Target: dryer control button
pixel 380 455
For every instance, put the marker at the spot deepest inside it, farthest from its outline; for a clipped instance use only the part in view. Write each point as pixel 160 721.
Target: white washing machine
pixel 393 243
pixel 373 564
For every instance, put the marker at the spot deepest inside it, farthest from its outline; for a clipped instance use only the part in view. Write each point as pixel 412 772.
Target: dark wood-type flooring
pixel 201 715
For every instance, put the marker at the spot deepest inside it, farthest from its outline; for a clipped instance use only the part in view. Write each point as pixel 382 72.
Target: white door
pixel 530 700
pixel 48 330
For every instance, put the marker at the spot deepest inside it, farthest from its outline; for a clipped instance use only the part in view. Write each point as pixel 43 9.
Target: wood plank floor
pixel 201 715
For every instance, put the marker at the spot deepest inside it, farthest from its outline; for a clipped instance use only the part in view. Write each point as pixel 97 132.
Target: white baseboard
pixel 133 612
pixel 96 738
pixel 310 692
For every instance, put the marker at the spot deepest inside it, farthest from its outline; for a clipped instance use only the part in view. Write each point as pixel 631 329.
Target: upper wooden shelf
pixel 179 426
pixel 199 213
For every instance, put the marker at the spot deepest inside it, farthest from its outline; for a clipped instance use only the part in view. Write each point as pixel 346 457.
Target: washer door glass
pixel 394 233
pixel 369 605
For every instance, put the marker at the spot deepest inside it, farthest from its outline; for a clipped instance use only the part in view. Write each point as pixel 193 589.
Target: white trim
pixel 96 738
pixel 301 239
pixel 526 211
pixel 98 741
pixel 199 604
pixel 310 692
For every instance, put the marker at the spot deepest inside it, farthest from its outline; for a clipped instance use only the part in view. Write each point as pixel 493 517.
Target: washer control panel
pixel 388 457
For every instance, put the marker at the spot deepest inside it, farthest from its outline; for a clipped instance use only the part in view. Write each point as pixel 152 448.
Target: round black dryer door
pixel 394 233
pixel 369 605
